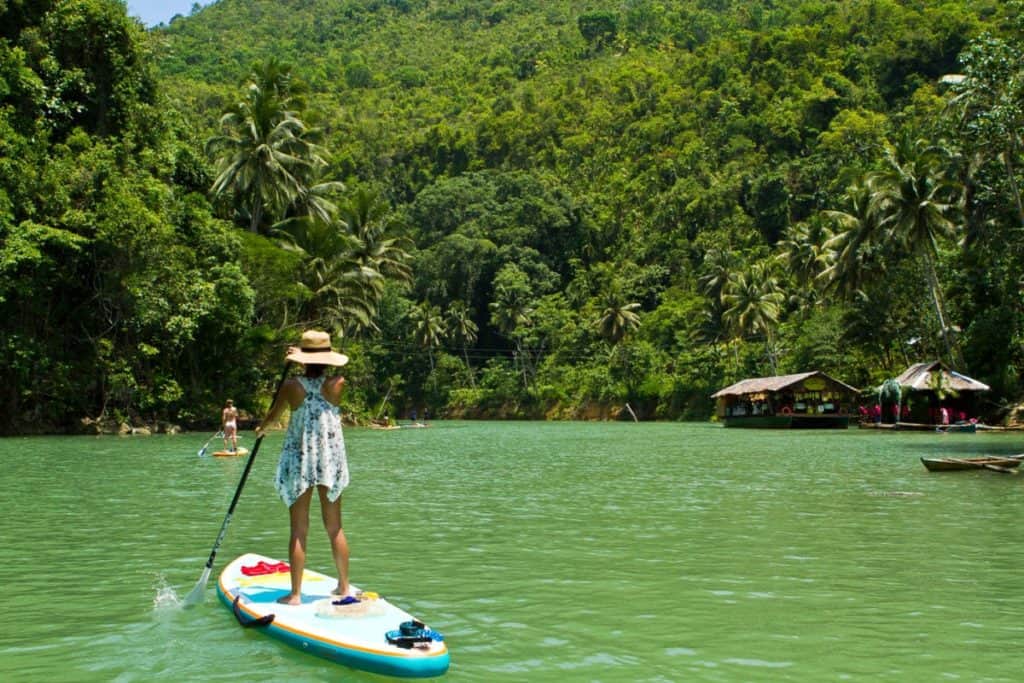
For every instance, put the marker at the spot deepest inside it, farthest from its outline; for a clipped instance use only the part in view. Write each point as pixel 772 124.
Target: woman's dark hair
pixel 315 369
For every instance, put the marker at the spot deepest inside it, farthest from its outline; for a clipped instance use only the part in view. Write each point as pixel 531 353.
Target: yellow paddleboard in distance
pixel 228 454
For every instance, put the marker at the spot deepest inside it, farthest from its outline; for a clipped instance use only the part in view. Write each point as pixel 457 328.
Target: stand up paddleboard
pixel 364 632
pixel 226 454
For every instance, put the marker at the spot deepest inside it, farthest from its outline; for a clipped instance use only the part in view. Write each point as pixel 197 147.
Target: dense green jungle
pixel 503 208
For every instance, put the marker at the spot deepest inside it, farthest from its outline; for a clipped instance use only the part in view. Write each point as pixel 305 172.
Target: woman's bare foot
pixel 291 599
pixel 340 591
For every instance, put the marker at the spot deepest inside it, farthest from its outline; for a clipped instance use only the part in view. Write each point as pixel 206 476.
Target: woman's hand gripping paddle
pixel 199 592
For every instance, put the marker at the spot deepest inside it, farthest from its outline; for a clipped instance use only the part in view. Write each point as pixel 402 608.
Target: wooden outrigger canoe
pixel 1006 465
pixel 963 428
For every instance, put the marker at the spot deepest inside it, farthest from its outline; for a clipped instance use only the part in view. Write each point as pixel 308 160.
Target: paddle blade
pixel 202 452
pixel 198 593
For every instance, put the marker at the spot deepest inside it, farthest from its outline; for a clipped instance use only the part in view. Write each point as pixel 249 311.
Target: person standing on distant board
pixel 313 455
pixel 229 425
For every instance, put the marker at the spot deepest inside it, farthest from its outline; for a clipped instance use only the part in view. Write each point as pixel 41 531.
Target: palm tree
pixel 914 200
pixel 378 248
pixel 338 291
pixel 463 330
pixel 317 199
pixel 803 251
pixel 852 253
pixel 381 247
pixel 512 309
pixel 753 304
pixel 265 154
pixel 428 328
pixel 349 257
pixel 718 266
pixel 512 306
pixel 617 318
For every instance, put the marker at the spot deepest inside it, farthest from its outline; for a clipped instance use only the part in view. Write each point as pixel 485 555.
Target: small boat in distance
pixel 961 427
pixel 1004 464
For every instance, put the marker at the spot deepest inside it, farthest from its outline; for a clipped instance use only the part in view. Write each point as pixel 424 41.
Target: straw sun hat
pixel 315 349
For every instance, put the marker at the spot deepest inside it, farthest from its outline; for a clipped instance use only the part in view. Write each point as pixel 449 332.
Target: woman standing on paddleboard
pixel 313 456
pixel 229 426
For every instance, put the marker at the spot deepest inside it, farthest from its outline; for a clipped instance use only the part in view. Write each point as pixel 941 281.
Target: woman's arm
pixel 332 389
pixel 290 395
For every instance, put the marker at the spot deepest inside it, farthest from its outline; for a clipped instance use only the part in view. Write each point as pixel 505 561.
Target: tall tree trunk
pixel 953 354
pixel 769 348
pixel 472 378
pixel 1007 156
pixel 256 216
pixel 522 365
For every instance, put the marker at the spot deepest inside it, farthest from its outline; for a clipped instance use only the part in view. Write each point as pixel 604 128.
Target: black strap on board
pixel 249 622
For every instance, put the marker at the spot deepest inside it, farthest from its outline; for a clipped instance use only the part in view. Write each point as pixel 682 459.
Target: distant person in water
pixel 229 425
pixel 313 455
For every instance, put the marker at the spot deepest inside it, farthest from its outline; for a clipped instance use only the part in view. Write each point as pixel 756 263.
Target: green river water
pixel 543 552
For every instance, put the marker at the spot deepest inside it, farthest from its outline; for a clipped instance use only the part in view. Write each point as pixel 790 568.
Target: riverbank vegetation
pixel 504 208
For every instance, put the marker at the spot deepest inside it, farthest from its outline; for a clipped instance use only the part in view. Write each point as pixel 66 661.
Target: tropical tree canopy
pixel 563 206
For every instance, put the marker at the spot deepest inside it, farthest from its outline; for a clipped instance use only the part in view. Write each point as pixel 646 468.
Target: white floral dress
pixel 314 449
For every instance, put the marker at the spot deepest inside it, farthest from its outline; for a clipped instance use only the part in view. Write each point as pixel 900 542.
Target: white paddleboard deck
pixel 354 635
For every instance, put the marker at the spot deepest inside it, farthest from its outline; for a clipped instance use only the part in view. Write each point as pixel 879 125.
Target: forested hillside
pixel 509 208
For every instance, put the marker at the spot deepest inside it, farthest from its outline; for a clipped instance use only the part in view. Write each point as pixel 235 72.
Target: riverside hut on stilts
pixel 931 397
pixel 806 400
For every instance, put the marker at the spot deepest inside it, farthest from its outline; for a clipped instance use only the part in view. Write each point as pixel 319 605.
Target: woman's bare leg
pixel 299 514
pixel 331 513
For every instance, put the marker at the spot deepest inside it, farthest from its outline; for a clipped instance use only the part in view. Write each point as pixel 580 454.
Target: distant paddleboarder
pixel 313 455
pixel 229 426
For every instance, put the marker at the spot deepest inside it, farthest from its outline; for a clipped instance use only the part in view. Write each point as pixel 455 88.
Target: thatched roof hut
pixel 759 385
pixel 928 376
pixel 806 399
pixel 931 394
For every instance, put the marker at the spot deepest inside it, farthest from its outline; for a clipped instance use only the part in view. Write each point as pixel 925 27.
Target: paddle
pixel 984 465
pixel 1000 468
pixel 997 468
pixel 199 592
pixel 202 451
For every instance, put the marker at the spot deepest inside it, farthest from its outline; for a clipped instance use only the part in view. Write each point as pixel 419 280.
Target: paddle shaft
pixel 234 501
pixel 245 475
pixel 202 451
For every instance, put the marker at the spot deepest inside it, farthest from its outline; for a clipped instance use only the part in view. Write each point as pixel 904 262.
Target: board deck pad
pixel 354 635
